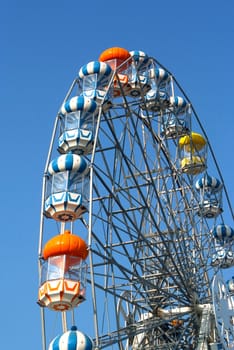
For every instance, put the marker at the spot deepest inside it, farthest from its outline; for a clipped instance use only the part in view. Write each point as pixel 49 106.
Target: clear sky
pixel 43 45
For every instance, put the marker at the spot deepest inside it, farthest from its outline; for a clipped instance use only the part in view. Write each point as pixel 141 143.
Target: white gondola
pixel 158 97
pixel 139 73
pixel 176 122
pixel 78 124
pixel 95 79
pixel 210 191
pixel 67 189
pixel 224 256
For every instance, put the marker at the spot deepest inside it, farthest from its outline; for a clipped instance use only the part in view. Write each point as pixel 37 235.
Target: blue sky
pixel 43 45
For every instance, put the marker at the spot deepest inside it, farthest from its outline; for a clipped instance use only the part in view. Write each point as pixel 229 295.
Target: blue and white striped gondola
pixel 67 188
pixel 223 233
pixel 208 183
pixel 176 123
pixel 78 121
pixel 174 126
pixel 157 97
pixel 141 59
pixel 210 188
pixel 155 100
pixel 179 104
pixel 160 76
pixel 72 340
pixel 139 74
pixel 95 78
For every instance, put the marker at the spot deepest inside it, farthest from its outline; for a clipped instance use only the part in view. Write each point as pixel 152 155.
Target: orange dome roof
pixel 114 52
pixel 66 243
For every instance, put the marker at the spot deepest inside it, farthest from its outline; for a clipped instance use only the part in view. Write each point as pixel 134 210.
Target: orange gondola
pixel 118 59
pixel 63 279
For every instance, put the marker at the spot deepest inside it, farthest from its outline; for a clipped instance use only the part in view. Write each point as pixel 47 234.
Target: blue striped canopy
pixel 71 162
pixel 79 103
pixel 223 232
pixel 140 57
pixel 210 182
pixel 159 74
pixel 178 101
pixel 71 340
pixel 93 67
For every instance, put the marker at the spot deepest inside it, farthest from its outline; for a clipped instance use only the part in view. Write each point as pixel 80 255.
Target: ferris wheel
pixel 132 220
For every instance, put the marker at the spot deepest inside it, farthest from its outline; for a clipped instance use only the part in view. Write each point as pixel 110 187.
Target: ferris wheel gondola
pixel 135 214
